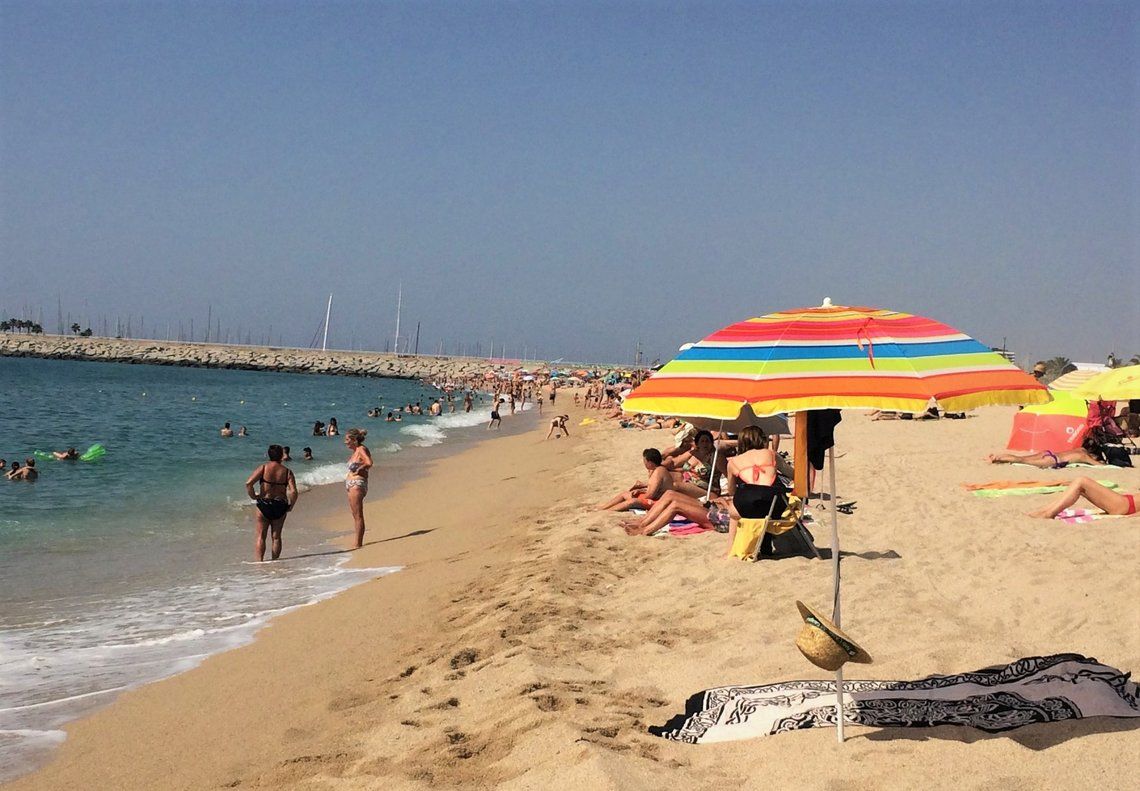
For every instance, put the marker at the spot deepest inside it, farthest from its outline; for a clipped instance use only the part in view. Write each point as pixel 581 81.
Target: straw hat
pixel 825 644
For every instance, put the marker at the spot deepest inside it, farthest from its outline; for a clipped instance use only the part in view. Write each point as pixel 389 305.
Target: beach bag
pixel 1116 455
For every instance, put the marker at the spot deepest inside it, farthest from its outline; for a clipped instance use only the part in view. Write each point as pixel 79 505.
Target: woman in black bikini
pixel 274 501
pixel 753 485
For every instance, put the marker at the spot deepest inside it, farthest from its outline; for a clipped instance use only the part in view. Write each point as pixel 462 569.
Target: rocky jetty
pixel 253 358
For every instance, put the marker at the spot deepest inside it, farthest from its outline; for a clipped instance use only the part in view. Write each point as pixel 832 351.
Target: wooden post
pixel 800 456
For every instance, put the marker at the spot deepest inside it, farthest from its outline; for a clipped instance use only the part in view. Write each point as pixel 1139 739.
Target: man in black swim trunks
pixel 275 500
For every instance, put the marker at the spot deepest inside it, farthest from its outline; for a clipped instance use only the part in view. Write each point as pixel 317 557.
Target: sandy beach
pixel 528 642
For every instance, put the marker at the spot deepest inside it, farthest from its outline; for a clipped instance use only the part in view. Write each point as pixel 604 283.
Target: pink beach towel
pixel 1082 516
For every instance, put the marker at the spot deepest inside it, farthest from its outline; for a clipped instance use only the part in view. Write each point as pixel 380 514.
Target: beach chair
pixel 750 532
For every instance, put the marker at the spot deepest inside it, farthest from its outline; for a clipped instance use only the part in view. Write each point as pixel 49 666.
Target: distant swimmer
pixel 71 454
pixel 390 419
pixel 242 432
pixel 226 431
pixel 436 408
pixel 275 500
pixel 285 455
pixel 318 429
pixel 333 430
pixel 468 401
pixel 26 473
pixel 558 424
pixel 306 454
pixel 374 412
pixel 356 482
pixel 3 463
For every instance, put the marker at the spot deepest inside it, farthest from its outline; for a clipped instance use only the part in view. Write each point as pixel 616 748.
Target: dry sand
pixel 528 643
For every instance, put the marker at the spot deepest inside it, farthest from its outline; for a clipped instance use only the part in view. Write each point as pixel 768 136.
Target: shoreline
pixel 322 516
pixel 528 643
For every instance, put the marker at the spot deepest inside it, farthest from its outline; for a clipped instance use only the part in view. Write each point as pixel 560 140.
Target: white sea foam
pixel 51 673
pixel 426 434
pixel 320 475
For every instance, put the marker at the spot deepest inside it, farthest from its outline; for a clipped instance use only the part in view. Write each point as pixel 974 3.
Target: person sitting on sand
pixel 1102 497
pixel 713 516
pixel 558 424
pixel 643 495
pixel 693 468
pixel 226 431
pixel 1047 459
pixel 71 454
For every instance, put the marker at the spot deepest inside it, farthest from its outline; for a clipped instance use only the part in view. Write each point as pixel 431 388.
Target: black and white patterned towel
pixel 1035 689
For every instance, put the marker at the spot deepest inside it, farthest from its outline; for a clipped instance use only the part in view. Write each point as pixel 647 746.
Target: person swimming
pixel 71 454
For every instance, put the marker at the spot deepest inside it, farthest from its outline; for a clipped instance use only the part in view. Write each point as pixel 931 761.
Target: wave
pixel 48 676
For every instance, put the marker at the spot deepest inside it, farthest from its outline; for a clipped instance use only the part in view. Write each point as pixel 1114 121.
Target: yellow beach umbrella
pixel 1074 379
pixel 1116 384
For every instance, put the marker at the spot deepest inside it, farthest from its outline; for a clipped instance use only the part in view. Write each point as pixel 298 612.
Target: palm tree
pixel 75 329
pixel 5 325
pixel 1054 367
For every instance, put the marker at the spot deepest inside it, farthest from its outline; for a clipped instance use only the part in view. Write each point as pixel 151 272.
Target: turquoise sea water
pixel 138 565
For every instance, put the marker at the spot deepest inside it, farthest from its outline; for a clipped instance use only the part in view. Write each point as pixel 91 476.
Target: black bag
pixel 1116 455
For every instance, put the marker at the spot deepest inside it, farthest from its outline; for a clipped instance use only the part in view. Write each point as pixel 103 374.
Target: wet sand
pixel 528 642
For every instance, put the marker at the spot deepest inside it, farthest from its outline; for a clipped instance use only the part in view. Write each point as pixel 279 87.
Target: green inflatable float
pixel 96 451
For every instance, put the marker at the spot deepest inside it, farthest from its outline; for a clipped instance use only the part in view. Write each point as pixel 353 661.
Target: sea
pixel 139 564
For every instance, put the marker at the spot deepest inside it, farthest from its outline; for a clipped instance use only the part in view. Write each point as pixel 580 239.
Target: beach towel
pixel 681 527
pixel 970 487
pixel 1081 516
pixel 1030 489
pixel 1031 690
pixel 1068 465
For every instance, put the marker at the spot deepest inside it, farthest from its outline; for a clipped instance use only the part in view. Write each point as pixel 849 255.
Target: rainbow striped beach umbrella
pixel 833 357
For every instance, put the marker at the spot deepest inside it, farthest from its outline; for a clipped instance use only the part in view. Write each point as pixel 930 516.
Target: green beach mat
pixel 992 493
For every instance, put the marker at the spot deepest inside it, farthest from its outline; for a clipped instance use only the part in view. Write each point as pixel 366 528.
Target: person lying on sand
pixel 1047 459
pixel 642 495
pixel 1102 497
pixel 673 504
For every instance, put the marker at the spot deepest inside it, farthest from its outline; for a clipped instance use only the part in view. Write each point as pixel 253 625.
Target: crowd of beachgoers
pixel 711 479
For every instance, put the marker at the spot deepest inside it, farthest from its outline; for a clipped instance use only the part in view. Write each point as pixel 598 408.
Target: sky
pixel 572 180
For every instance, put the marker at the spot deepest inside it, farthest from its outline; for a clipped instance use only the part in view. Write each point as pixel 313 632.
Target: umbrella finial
pixel 826 302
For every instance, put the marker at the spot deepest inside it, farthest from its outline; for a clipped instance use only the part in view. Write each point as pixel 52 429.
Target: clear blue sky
pixel 573 175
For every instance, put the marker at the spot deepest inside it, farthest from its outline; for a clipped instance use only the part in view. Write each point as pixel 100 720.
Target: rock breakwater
pixel 253 358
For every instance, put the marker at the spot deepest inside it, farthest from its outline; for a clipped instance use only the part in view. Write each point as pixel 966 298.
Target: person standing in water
pixel 356 483
pixel 274 501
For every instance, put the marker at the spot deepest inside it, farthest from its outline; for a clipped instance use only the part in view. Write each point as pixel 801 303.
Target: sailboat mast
pixel 328 313
pixel 399 301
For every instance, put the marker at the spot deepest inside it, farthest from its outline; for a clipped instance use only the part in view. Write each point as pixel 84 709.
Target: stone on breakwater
pixel 198 355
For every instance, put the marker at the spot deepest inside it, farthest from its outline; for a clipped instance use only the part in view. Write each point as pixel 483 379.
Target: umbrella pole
pixel 835 613
pixel 712 472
